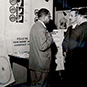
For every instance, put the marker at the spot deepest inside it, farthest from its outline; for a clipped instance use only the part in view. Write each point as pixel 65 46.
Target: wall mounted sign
pixel 13 2
pixel 12 18
pixel 17 11
pixel 12 9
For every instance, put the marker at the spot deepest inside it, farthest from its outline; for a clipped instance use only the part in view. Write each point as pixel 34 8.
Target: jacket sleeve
pixel 66 40
pixel 75 38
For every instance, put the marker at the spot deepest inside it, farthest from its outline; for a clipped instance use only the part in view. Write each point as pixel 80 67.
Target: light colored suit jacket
pixel 40 50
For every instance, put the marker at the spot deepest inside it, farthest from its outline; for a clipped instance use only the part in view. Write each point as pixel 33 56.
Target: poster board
pixel 17 17
pixel 19 20
pixel 58 36
pixel 62 19
pixel 62 23
pixel 6 74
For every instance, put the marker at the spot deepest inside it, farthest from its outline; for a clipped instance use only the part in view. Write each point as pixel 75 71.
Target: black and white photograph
pixel 43 43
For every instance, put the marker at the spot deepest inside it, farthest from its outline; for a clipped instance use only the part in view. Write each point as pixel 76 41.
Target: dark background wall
pixel 67 4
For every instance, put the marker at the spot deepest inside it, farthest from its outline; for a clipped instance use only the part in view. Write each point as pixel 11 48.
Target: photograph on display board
pixel 62 20
pixel 62 23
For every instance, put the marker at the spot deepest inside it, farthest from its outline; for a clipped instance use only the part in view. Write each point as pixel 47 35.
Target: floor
pixel 56 80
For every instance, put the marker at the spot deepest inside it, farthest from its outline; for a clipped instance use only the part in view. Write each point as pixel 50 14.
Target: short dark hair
pixel 83 11
pixel 42 12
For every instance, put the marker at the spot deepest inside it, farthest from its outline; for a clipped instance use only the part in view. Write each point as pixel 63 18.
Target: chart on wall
pixel 20 16
pixel 16 10
pixel 58 36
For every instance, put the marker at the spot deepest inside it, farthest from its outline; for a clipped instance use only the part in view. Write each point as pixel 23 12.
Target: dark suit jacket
pixel 76 43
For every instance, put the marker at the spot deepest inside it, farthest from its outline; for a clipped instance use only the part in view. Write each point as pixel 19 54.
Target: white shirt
pixel 74 25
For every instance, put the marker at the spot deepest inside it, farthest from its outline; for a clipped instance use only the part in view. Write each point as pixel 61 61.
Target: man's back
pixel 39 56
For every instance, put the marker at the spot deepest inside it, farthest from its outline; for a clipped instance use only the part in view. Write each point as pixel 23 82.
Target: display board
pixel 58 36
pixel 6 74
pixel 17 17
pixel 62 19
pixel 19 20
pixel 62 22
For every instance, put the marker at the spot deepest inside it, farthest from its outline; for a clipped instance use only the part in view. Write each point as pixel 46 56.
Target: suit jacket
pixel 40 48
pixel 76 43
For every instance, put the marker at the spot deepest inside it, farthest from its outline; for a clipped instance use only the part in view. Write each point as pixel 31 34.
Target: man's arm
pixel 45 40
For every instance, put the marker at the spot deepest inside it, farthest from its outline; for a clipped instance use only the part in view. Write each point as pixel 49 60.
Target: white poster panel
pixel 19 20
pixel 2 27
pixel 62 19
pixel 58 36
pixel 6 74
pixel 62 23
pixel 17 26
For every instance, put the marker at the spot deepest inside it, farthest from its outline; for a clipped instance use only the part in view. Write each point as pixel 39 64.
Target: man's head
pixel 73 16
pixel 44 15
pixel 82 15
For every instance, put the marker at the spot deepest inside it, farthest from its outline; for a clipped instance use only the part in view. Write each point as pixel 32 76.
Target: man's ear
pixel 43 18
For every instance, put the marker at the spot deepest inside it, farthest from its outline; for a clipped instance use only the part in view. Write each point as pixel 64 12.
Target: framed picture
pixel 62 19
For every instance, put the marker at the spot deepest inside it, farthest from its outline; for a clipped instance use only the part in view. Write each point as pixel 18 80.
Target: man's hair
pixel 42 12
pixel 83 11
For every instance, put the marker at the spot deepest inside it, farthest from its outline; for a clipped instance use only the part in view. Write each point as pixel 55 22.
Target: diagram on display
pixel 16 11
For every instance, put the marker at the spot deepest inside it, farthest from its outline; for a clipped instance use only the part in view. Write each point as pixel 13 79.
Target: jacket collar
pixel 74 25
pixel 42 23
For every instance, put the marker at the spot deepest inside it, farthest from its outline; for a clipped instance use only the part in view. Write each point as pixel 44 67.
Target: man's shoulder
pixel 38 27
pixel 84 24
pixel 37 24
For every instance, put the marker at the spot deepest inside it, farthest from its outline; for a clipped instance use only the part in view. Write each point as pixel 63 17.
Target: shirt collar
pixel 73 26
pixel 42 23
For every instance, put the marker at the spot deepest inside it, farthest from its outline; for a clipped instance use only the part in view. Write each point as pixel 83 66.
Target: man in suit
pixel 73 22
pixel 40 50
pixel 79 37
pixel 68 46
pixel 77 50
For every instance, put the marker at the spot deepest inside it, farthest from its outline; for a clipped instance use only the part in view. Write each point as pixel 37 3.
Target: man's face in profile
pixel 47 18
pixel 72 16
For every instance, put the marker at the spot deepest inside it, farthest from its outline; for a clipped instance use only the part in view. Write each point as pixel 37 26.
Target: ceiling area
pixel 68 4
